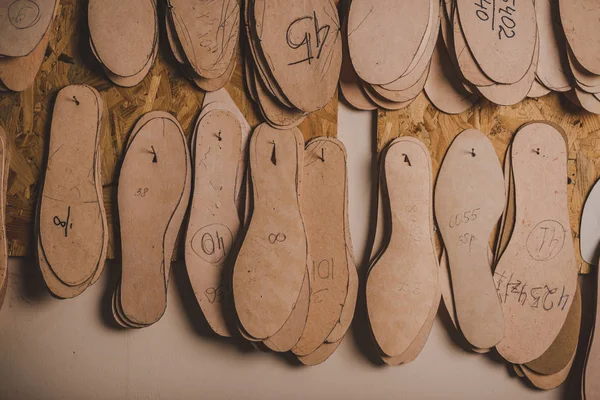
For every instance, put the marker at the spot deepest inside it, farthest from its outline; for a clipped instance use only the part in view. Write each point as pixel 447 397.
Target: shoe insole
pixel 301 42
pixel 23 24
pixel 153 193
pixel 324 209
pixel 208 34
pixel 123 34
pixel 402 285
pixel 289 334
pixel 469 201
pixel 214 222
pixel 271 264
pixel 71 228
pixel 536 276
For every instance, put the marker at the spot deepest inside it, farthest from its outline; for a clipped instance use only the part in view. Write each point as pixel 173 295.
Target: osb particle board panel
pixel 26 116
pixel 437 130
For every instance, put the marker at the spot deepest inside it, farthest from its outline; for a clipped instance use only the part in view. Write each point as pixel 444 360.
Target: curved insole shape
pixel 214 221
pixel 271 263
pixel 153 190
pixel 23 23
pixel 324 209
pixel 536 276
pixel 469 201
pixel 402 285
pixel 123 34
pixel 71 228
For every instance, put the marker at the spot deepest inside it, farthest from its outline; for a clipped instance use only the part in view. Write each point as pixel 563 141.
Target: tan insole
pixel 276 113
pixel 134 80
pixel 123 34
pixel 154 181
pixel 291 332
pixel 469 201
pixel 324 209
pixel 58 288
pixel 443 86
pixel 510 94
pixel 562 351
pixel 585 79
pixel 536 276
pixel 415 348
pixel 384 37
pixel 308 78
pixel 320 355
pixel 503 45
pixel 18 73
pixel 174 43
pixel 349 85
pixel 221 99
pixel 210 85
pixel 23 24
pixel 446 291
pixel 71 228
pixel 378 245
pixel 537 90
pixel 548 382
pixel 465 58
pixel 579 19
pixel 421 61
pixel 257 60
pixel 401 290
pixel 118 313
pixel 407 93
pixel 553 367
pixel 208 34
pixel 214 222
pixel 271 264
pixel 383 102
pixel 347 314
pixel 553 65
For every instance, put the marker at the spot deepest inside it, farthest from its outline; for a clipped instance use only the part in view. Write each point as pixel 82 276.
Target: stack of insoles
pixel 153 193
pixel 294 58
pixel 466 217
pixel 536 272
pixel 71 227
pixel 124 38
pixel 203 37
pixel 5 166
pixel 218 207
pixel 581 22
pixel 506 51
pixel 294 279
pixel 25 29
pixel 389 48
pixel 493 47
pixel 502 51
pixel 402 290
pixel 523 297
